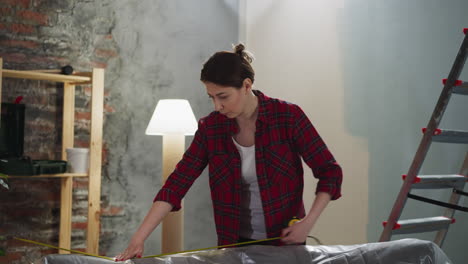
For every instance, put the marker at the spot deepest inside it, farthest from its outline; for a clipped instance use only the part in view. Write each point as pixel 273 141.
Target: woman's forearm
pixel 153 218
pixel 321 201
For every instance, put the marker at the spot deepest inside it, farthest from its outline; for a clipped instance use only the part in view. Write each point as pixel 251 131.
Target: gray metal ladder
pixel 414 181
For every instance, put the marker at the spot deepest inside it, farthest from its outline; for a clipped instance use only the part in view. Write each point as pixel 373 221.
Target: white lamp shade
pixel 172 116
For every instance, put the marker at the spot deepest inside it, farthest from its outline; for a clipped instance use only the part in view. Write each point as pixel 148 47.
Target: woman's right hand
pixel 134 250
pixel 155 215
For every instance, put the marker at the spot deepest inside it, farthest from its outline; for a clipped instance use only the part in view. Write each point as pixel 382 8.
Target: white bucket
pixel 78 160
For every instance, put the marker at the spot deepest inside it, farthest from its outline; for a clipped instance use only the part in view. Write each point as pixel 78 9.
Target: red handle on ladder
pixel 457 82
pixel 437 131
pixel 396 226
pixel 416 180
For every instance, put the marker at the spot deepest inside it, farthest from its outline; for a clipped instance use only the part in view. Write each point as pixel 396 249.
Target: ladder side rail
pixel 454 199
pixel 426 140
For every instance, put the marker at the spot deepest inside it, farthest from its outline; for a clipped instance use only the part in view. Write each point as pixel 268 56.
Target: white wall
pixel 367 73
pixel 296 45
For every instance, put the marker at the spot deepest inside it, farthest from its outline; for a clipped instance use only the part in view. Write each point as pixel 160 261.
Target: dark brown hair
pixel 228 68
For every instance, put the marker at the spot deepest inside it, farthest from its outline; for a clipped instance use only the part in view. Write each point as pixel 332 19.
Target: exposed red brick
pixel 80 249
pixel 46 252
pixel 41 60
pixel 53 60
pixel 34 17
pixel 82 115
pixel 108 108
pixel 48 196
pixel 87 90
pixel 80 184
pixel 11 256
pixel 16 57
pixel 63 61
pixel 81 144
pixel 111 211
pixel 21 28
pixel 25 212
pixel 5 11
pixel 44 127
pixel 80 225
pixel 19 43
pixel 11 243
pixel 22 185
pixel 105 53
pixel 22 22
pixel 21 3
pixel 97 64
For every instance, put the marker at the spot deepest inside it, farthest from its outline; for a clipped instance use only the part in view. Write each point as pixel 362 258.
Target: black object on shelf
pixel 12 130
pixel 67 70
pixel 12 159
pixel 28 167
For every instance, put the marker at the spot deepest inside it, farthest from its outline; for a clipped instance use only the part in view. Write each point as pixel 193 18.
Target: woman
pixel 253 145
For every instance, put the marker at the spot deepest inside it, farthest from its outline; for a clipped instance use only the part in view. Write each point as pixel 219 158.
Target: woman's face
pixel 229 101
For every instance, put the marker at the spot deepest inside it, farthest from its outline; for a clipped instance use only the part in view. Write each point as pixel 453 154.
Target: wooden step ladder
pixel 414 181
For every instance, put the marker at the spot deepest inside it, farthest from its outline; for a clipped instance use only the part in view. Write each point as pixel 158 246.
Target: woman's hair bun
pixel 229 68
pixel 239 49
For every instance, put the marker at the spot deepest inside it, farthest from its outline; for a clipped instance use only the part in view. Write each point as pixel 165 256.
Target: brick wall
pixel 39 34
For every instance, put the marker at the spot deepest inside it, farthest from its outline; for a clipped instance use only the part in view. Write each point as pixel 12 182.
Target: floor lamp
pixel 173 119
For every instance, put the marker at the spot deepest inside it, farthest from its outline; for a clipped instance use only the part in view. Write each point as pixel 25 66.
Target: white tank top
pixel 252 220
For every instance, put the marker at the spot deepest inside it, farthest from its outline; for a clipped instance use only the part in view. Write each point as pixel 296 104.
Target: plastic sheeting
pixel 403 251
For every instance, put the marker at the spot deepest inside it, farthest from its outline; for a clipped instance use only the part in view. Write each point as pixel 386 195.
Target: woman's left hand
pixel 297 233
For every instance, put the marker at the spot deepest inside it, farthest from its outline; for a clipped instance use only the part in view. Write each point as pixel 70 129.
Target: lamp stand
pixel 173 223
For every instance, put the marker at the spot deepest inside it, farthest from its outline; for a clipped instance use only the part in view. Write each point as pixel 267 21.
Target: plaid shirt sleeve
pixel 186 172
pixel 316 155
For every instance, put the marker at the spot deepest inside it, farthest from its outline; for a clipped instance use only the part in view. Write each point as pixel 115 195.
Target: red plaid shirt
pixel 283 135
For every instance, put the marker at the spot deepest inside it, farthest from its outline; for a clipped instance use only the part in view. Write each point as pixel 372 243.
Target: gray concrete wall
pixel 395 54
pixel 162 45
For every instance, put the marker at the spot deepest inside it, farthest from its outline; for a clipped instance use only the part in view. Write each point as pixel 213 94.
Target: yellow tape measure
pixel 223 246
pixel 69 250
pixel 293 221
pixel 290 223
pixel 152 256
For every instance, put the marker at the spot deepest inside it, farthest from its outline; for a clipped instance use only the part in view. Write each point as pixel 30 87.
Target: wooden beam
pixel 65 214
pixel 95 160
pixel 68 124
pixel 68 134
pixel 54 77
